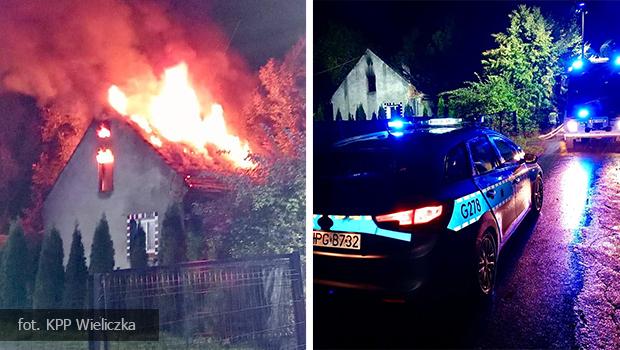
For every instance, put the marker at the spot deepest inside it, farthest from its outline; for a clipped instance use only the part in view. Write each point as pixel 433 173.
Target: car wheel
pixel 537 195
pixel 486 263
pixel 570 144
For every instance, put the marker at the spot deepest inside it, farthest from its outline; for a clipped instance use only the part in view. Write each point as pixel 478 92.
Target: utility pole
pixel 581 8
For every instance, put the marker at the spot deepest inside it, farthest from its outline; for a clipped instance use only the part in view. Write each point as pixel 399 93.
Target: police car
pixel 415 206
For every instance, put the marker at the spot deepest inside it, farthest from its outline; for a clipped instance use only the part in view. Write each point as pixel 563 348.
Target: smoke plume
pixel 67 53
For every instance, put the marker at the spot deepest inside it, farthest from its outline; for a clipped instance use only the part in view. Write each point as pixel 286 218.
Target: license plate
pixel 337 240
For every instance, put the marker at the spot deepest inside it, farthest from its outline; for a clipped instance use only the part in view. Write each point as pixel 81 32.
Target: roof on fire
pixel 191 172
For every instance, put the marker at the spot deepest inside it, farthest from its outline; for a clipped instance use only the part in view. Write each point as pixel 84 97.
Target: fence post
pixel 91 293
pixel 299 307
pixel 95 290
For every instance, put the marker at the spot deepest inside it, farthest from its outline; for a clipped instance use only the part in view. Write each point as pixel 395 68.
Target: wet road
pixel 558 283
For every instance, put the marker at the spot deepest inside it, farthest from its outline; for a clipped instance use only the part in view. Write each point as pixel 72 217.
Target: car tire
pixel 485 263
pixel 537 195
pixel 570 144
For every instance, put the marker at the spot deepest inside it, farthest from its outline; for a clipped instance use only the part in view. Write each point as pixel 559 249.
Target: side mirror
pixel 530 158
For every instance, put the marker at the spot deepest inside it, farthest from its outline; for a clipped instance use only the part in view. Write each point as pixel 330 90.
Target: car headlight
pixel 572 126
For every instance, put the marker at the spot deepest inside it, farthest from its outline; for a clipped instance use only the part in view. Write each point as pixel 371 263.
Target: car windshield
pixel 598 85
pixel 380 159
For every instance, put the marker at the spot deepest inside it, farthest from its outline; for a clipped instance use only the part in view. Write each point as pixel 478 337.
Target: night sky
pixel 383 25
pixel 258 30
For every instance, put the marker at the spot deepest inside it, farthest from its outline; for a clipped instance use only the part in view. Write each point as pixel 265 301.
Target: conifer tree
pixel 338 116
pixel 360 115
pixel 34 243
pixel 408 111
pixel 13 276
pixel 381 115
pixel 102 249
pixel 137 246
pixel 50 280
pixel 173 247
pixel 76 274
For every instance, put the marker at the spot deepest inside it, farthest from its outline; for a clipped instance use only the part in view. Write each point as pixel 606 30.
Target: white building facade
pixel 373 84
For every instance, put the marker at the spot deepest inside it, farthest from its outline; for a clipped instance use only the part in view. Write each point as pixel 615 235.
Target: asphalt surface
pixel 558 282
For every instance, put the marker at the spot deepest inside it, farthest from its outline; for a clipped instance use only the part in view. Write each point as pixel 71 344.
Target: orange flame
pixel 103 132
pixel 174 113
pixel 105 156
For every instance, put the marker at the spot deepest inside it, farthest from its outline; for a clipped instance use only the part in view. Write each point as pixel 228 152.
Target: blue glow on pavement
pixel 576 182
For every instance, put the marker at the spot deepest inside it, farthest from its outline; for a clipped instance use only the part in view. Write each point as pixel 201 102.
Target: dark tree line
pixel 33 274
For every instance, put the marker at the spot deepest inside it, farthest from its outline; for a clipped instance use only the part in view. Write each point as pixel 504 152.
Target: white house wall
pixel 390 88
pixel 143 183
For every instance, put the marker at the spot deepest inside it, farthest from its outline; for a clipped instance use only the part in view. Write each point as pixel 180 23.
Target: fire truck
pixel 592 101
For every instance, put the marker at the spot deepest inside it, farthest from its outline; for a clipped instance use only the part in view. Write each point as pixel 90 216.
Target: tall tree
pixel 263 213
pixel 13 275
pixel 275 108
pixel 49 284
pixel 19 149
pixel 424 57
pixel 173 243
pixel 520 74
pixel 102 249
pixel 338 51
pixel 76 274
pixel 137 246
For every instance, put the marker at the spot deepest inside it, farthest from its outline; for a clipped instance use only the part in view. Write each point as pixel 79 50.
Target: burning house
pixel 116 172
pixel 136 164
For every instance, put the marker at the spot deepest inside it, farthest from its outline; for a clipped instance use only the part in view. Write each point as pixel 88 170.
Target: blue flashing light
pixel 397 133
pixel 583 113
pixel 577 64
pixel 396 124
pixel 617 60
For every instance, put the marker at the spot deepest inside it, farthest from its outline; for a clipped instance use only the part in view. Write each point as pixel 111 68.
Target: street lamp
pixel 581 8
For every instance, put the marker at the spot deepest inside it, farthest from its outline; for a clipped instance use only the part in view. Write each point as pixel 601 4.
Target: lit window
pixel 104 132
pixel 105 163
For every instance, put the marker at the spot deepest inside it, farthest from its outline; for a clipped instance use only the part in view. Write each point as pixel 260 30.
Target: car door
pixel 493 180
pixel 511 158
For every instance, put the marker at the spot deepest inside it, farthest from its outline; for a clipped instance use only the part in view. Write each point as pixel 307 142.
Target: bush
pixel 264 213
